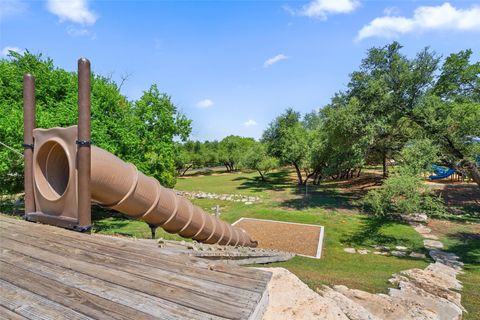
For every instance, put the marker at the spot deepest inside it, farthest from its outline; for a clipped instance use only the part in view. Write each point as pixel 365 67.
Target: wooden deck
pixel 52 273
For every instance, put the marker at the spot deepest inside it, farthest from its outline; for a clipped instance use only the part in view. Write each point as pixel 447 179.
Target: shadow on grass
pixel 275 181
pixel 467 247
pixel 327 197
pixel 373 232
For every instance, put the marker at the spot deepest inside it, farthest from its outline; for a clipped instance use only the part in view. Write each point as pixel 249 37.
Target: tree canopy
pixel 141 131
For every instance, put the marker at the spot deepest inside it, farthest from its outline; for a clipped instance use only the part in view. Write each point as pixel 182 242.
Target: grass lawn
pixel 333 206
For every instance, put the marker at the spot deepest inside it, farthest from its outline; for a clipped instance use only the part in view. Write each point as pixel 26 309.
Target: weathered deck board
pixel 239 281
pixel 49 272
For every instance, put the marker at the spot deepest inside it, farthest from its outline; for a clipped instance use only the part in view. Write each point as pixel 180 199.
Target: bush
pixel 403 194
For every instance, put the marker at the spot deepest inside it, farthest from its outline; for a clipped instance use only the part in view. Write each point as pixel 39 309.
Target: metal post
pixel 83 145
pixel 28 126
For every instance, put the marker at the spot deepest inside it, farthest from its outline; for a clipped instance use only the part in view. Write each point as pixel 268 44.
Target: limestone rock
pixel 290 298
pixel 381 306
pixel 349 250
pixel 398 253
pixel 363 251
pixel 432 244
pixel 401 248
pixel 351 309
pixel 422 229
pixel 430 236
pixel 417 217
pixel 417 255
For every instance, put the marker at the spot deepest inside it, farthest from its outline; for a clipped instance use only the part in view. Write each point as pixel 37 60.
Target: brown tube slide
pixel 119 185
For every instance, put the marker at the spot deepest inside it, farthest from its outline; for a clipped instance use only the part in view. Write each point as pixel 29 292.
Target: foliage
pixel 418 156
pixel 402 194
pixel 287 139
pixel 256 158
pixel 141 132
pixel 232 149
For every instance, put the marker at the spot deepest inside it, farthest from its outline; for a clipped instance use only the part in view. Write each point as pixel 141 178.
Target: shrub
pixel 403 194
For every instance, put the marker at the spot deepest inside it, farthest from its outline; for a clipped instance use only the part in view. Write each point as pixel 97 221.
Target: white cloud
pixel 7 49
pixel 250 123
pixel 273 60
pixel 205 103
pixel 76 11
pixel 323 8
pixel 11 8
pixel 444 17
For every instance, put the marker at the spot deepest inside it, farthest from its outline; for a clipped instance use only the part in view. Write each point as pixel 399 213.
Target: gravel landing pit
pixel 301 239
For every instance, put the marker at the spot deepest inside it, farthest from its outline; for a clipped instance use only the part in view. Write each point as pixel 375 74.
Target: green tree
pixel 231 150
pixel 141 132
pixel 387 86
pixel 450 114
pixel 256 158
pixel 157 124
pixel 287 139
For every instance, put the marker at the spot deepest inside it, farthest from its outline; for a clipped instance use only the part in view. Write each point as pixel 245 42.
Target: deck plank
pixel 136 300
pixel 73 298
pixel 114 274
pixel 33 306
pixel 167 266
pixel 142 249
pixel 147 251
pixel 7 314
pixel 95 276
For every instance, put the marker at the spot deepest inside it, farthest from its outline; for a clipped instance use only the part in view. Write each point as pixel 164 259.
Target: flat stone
pixel 417 255
pixel 350 250
pixel 363 251
pixel 432 244
pixel 381 253
pixel 383 248
pixel 418 217
pixel 422 229
pixel 446 258
pixel 398 253
pixel 401 248
pixel 430 236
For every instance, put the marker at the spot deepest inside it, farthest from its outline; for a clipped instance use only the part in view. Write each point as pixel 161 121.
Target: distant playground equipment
pixel 445 172
pixel 64 172
pixel 441 172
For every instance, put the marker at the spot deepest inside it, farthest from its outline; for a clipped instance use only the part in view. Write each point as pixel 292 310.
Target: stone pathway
pixel 419 294
pixel 398 251
pixel 245 199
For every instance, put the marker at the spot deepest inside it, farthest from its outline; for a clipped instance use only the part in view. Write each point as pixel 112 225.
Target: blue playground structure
pixel 441 172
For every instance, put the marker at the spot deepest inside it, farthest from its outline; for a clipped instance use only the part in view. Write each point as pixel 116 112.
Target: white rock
pixel 422 229
pixel 417 255
pixel 401 248
pixel 350 250
pixel 430 236
pixel 432 244
pixel 398 253
pixel 418 217
pixel 363 251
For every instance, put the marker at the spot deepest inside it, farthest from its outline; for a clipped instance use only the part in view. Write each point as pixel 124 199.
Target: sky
pixel 233 66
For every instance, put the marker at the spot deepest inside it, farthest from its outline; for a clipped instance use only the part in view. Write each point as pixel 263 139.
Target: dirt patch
pixel 296 238
pixel 446 228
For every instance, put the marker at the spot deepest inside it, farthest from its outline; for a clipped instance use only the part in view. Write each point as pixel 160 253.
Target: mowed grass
pixel 282 200
pixel 325 205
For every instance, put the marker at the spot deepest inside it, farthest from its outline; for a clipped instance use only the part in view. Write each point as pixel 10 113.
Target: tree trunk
pixel 359 171
pixel 385 167
pixel 185 171
pixel 299 174
pixel 261 175
pixel 472 170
